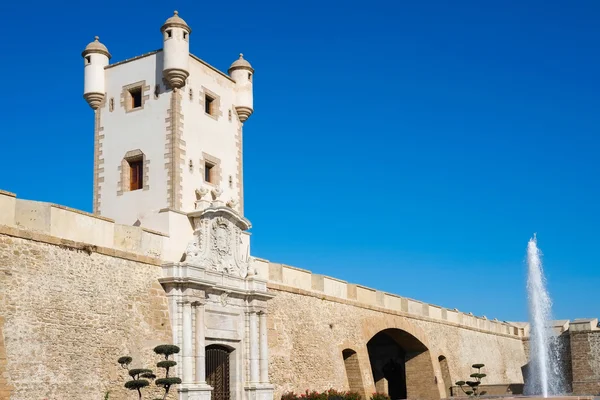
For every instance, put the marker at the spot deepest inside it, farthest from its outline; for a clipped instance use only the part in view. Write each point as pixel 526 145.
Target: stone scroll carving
pixel 216 246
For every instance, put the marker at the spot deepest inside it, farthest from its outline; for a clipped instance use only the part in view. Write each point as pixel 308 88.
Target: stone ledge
pixel 6 193
pixel 322 296
pixel 87 214
pixel 53 240
pixel 152 231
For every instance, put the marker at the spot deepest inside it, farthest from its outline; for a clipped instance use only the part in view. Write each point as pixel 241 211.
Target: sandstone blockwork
pixel 67 315
pixel 318 344
pixel 5 387
pixel 585 353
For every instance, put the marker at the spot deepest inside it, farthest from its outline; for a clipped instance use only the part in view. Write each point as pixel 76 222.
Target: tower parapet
pixel 96 57
pixel 176 48
pixel 242 73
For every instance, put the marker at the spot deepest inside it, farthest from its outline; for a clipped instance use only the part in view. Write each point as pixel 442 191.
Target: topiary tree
pixel 166 350
pixel 139 376
pixel 473 385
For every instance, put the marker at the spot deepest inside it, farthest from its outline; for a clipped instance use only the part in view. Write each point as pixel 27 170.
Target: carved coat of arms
pixel 216 246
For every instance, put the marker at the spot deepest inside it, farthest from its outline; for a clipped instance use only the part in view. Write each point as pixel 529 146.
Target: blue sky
pixel 413 147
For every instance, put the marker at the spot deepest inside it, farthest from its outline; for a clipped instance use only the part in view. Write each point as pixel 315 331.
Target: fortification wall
pixel 338 290
pixel 76 293
pixel 308 331
pixel 585 353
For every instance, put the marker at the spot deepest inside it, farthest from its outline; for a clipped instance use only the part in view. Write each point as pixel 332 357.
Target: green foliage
pixel 141 376
pixel 380 396
pixel 106 395
pixel 136 384
pixel 166 350
pixel 330 394
pixel 474 384
pixel 126 360
pixel 166 364
pixel 168 381
pixel 138 371
pixel 352 396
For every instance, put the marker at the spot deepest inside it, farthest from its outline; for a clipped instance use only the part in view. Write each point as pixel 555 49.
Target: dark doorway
pixel 402 366
pixel 217 371
pixel 388 365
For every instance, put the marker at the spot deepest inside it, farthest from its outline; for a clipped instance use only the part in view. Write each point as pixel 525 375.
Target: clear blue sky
pixel 413 147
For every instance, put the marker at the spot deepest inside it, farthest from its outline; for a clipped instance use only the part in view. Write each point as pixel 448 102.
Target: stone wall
pixel 308 333
pixel 67 312
pixel 5 387
pixel 585 350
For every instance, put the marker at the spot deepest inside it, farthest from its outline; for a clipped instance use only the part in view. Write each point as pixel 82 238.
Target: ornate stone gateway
pixel 218 310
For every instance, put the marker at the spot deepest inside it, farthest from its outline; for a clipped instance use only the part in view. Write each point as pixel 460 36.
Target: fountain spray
pixel 545 376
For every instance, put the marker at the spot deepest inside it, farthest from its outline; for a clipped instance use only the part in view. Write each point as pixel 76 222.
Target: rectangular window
pixel 136 174
pixel 136 97
pixel 209 105
pixel 209 171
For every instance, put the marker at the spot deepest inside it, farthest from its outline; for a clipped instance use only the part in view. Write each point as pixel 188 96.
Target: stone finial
pixel 216 193
pixel 201 192
pixel 231 203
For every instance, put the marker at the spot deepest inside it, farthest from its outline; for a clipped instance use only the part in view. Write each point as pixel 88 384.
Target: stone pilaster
pixel 200 344
pixel 187 358
pixel 254 348
pixel 264 349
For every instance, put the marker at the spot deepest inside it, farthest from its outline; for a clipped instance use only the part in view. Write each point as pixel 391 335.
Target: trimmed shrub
pixel 472 386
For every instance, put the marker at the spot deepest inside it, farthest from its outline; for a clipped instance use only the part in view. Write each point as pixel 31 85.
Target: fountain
pixel 545 376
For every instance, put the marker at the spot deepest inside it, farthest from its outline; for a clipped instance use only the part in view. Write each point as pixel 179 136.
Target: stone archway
pixel 401 365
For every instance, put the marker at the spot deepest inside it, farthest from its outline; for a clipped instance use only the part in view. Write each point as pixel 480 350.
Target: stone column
pixel 200 344
pixel 254 368
pixel 186 350
pixel 264 349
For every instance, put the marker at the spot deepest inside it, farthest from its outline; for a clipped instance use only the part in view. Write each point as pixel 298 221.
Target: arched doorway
pixel 217 371
pixel 401 366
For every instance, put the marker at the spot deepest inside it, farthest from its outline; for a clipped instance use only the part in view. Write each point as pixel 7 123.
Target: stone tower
pixel 168 157
pixel 168 132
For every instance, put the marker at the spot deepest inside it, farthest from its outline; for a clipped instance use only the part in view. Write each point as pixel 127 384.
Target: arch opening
pixel 353 374
pixel 401 366
pixel 446 381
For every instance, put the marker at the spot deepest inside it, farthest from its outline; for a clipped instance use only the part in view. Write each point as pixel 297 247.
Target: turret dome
pixel 176 21
pixel 96 47
pixel 240 63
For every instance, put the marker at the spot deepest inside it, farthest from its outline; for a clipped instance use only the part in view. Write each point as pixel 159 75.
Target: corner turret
pixel 96 57
pixel 176 48
pixel 242 73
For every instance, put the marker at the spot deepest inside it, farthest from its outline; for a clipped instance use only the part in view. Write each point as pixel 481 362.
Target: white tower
pixel 176 47
pixel 96 57
pixel 242 73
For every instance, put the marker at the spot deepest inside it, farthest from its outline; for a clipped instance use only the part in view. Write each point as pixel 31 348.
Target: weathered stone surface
pixel 69 314
pixel 585 353
pixel 307 336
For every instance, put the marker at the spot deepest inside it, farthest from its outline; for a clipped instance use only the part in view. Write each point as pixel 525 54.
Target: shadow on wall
pixel 401 366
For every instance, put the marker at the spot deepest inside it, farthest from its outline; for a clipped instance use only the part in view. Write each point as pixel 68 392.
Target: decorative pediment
pixel 217 244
